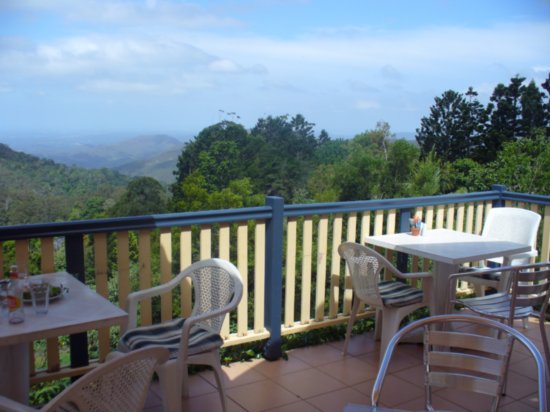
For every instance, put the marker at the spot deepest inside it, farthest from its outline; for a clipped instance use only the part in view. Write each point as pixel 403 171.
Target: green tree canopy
pixel 143 196
pixel 452 130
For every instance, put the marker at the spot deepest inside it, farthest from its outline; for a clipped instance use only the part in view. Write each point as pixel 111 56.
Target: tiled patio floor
pixel 319 378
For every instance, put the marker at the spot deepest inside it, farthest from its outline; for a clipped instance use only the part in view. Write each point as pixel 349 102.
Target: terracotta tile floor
pixel 319 378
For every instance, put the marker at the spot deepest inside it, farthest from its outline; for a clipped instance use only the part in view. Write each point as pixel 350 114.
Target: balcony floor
pixel 319 378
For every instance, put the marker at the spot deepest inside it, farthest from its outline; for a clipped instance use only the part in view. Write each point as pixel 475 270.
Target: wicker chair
pixel 120 384
pixel 218 289
pixel 392 299
pixel 470 358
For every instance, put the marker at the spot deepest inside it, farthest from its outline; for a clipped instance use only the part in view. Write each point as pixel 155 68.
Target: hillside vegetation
pixel 39 190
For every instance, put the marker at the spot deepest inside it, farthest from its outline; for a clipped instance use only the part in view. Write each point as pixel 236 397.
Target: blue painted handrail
pixel 273 213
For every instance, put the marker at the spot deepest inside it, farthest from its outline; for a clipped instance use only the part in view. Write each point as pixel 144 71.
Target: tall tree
pixel 533 114
pixel 218 154
pixel 504 110
pixel 399 166
pixel 144 196
pixel 452 130
pixel 284 160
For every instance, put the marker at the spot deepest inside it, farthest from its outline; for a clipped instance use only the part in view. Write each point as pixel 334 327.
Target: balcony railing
pixel 287 254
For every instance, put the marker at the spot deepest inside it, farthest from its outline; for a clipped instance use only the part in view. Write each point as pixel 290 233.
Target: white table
pixel 79 310
pixel 448 249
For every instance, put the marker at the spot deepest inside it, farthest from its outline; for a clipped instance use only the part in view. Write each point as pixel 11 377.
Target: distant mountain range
pixel 152 155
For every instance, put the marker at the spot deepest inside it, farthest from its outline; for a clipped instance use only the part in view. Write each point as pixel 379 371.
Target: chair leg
pixel 378 320
pixel 544 342
pixel 351 321
pixel 219 381
pixel 212 359
pixel 390 325
pixel 170 385
pixel 185 382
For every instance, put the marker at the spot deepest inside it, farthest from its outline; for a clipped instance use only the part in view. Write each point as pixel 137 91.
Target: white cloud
pixel 224 65
pixel 160 47
pixel 366 104
pixel 155 12
pixel 108 85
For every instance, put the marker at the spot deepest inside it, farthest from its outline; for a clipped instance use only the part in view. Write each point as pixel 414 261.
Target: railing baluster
pixel 351 236
pixel 259 276
pixel 307 240
pixel 242 265
pixel 166 272
pixel 224 247
pixel 290 272
pixel 205 242
pixel 335 268
pixel 320 285
pixel 144 244
pixel 186 259
pixel 22 255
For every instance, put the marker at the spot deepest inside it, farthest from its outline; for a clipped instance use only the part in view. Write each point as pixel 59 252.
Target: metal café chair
pixel 472 358
pixel 527 296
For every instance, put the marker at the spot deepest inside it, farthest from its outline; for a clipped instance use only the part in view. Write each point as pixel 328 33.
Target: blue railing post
pixel 404 226
pixel 274 277
pixel 499 202
pixel 74 256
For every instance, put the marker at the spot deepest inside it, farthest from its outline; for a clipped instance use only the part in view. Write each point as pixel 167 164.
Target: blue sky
pixel 167 66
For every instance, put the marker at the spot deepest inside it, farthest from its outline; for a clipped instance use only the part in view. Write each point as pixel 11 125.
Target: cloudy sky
pixel 165 66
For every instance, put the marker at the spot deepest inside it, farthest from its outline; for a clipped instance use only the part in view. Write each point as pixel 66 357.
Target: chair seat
pixel 486 276
pixel 496 305
pixel 398 294
pixel 168 335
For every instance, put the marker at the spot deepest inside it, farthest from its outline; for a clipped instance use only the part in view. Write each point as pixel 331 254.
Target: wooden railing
pixel 294 280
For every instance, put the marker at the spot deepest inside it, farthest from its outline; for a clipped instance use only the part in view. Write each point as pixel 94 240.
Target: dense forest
pixel 461 145
pixel 36 190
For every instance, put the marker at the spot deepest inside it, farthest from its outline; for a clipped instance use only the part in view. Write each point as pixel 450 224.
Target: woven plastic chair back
pixel 214 288
pixel 118 385
pixel 364 265
pixel 512 224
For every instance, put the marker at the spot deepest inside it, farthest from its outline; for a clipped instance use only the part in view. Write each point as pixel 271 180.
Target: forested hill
pixel 39 190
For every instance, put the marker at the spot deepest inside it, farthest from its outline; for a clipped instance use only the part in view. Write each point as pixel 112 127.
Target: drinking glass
pixel 40 294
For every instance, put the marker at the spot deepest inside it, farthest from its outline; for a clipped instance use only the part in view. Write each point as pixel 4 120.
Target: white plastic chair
pixel 393 300
pixel 120 384
pixel 514 225
pixel 195 340
pixel 472 359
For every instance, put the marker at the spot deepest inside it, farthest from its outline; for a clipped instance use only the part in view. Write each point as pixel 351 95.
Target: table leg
pixel 440 287
pixel 439 298
pixel 14 373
